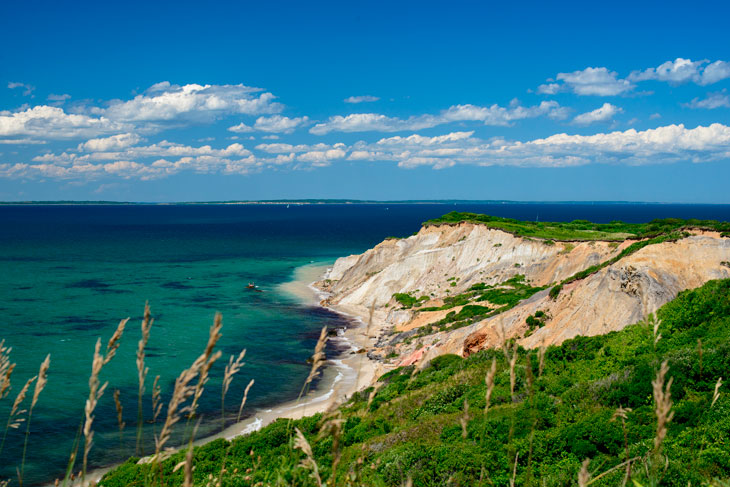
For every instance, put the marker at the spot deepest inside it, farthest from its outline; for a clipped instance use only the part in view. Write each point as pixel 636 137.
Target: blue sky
pixel 410 100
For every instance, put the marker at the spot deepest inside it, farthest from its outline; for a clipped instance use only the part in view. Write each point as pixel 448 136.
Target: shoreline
pixel 345 373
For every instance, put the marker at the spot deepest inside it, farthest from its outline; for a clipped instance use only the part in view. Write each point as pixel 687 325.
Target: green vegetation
pixel 536 321
pixel 555 291
pixel 581 229
pixel 589 398
pixel 408 301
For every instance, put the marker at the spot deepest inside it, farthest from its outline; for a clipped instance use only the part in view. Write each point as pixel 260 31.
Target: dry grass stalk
pixel 156 399
pixel 654 324
pixel 120 409
pixel 142 370
pixel 183 389
pixel 308 462
pixel 318 357
pixel 6 369
pixel 14 419
pixel 584 476
pixel 207 360
pixel 512 377
pixel 489 380
pixel 243 401
pixel 662 405
pixel 95 389
pixel 95 392
pixel 40 384
pixel 464 420
pixel 716 394
pixel 42 380
pixel 233 367
pixel 113 344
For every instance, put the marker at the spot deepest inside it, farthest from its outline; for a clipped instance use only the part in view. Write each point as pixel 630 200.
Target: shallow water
pixel 70 273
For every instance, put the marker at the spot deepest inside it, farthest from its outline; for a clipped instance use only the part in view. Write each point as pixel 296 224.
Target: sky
pixel 211 101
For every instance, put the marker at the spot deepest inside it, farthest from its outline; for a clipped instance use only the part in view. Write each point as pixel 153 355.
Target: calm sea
pixel 70 273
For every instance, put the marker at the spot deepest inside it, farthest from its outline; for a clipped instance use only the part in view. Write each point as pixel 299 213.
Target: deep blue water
pixel 69 273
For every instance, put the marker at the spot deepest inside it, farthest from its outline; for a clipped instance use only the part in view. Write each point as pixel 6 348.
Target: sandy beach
pixel 344 374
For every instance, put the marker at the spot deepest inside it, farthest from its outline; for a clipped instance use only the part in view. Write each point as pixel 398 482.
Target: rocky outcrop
pixel 442 261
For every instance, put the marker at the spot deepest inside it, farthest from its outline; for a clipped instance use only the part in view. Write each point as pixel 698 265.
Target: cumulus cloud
pixel 361 99
pixel 671 143
pixel 165 102
pixel 279 124
pixel 115 142
pixel 603 82
pixel 602 114
pixel 323 157
pixel 595 81
pixel 712 101
pixel 685 70
pixel 493 115
pixel 47 122
pixel 241 128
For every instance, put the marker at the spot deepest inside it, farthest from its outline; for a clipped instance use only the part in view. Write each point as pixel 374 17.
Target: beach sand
pixel 343 375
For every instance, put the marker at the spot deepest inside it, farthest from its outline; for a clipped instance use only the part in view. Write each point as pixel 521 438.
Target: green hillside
pixel 581 229
pixel 588 399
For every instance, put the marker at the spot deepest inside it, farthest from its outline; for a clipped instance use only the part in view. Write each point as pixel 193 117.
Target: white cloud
pixel 672 143
pixel 654 116
pixel 595 81
pixel 361 99
pixel 549 88
pixel 115 142
pixel 46 122
pixel 164 102
pixel 717 71
pixel 322 158
pixel 279 124
pixel 712 101
pixel 27 89
pixel 602 114
pixel 603 82
pixel 685 70
pixel 493 115
pixel 241 128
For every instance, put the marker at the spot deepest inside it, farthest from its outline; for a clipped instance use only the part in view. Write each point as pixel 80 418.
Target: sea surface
pixel 70 273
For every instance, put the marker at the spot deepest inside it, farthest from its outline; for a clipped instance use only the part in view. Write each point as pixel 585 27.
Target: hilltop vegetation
pixel 531 421
pixel 581 229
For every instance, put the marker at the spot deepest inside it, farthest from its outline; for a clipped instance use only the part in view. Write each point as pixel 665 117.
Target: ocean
pixel 70 273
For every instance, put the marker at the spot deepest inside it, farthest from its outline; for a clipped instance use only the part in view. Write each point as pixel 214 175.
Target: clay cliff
pixel 445 264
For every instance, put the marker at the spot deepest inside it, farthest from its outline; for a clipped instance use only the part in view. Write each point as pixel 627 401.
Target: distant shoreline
pixel 301 202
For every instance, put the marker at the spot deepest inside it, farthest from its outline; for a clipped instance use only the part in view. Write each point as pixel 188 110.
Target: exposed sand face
pixel 447 260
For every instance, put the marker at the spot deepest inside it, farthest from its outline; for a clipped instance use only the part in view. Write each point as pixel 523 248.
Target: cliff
pixel 466 286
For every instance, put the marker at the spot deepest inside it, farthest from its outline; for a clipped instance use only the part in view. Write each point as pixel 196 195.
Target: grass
pixel 581 230
pixel 624 407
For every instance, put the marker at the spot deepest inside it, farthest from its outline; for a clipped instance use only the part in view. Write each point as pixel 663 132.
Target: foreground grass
pixel 580 230
pixel 548 411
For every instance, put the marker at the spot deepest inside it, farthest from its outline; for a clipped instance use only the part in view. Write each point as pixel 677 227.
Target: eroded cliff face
pixel 443 261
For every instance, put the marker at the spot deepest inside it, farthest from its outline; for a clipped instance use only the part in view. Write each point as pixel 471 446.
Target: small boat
pixel 253 287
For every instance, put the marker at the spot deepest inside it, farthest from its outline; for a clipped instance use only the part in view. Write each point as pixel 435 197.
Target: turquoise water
pixel 70 273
